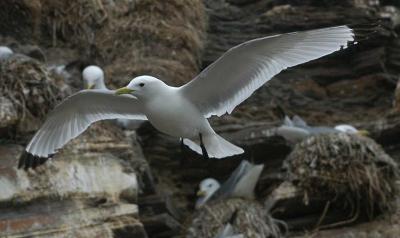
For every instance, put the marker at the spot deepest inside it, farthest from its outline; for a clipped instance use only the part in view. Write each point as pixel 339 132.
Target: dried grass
pixel 26 83
pixel 345 168
pixel 161 38
pixel 252 220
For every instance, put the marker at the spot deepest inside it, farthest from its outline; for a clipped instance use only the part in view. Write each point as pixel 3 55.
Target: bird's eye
pixel 141 84
pixel 210 185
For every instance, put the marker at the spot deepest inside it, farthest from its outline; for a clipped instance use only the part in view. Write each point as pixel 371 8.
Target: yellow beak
pixel 123 90
pixel 90 86
pixel 363 133
pixel 200 193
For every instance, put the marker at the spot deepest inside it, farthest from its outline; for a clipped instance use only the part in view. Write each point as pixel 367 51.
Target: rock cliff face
pixel 133 183
pixel 85 191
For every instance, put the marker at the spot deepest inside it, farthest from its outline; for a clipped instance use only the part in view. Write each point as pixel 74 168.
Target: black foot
pixel 203 148
pixel 28 160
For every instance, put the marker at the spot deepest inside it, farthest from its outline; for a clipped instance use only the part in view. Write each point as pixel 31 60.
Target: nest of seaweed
pixel 25 82
pixel 251 219
pixel 344 168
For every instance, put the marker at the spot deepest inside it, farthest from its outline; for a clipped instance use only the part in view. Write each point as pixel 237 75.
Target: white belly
pixel 177 118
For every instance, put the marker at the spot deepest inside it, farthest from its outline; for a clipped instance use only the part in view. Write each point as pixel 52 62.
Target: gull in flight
pixel 182 112
pixel 241 183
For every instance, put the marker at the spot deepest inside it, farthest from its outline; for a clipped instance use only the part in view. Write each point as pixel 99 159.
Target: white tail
pixel 216 146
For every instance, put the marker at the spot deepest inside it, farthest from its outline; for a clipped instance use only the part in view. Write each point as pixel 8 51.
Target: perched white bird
pixel 5 52
pixel 241 183
pixel 93 78
pixel 183 111
pixel 296 129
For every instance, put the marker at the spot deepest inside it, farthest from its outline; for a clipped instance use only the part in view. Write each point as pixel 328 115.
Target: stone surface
pixel 66 218
pixel 384 227
pixel 84 191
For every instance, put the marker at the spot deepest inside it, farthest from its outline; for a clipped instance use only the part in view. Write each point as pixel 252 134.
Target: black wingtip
pixel 27 161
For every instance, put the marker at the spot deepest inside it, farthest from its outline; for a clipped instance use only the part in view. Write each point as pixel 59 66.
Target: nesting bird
pixel 241 183
pixel 252 220
pixel 93 78
pixel 296 129
pixel 234 199
pixel 182 112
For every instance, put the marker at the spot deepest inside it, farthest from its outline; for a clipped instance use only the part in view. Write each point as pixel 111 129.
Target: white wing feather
pixel 243 69
pixel 75 114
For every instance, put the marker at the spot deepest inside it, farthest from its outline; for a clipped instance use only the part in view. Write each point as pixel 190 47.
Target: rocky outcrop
pixel 82 192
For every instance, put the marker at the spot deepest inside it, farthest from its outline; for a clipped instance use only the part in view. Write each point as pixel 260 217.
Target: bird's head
pixel 207 188
pixel 5 52
pixel 93 77
pixel 351 130
pixel 142 87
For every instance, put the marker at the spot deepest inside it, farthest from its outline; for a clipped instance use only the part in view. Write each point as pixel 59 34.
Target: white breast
pixel 175 116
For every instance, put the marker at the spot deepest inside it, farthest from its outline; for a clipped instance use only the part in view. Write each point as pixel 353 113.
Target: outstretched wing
pixel 232 78
pixel 75 114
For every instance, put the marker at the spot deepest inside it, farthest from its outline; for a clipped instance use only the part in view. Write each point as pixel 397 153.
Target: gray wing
pixel 243 69
pixel 241 183
pixel 75 114
pixel 229 185
pixel 247 183
pixel 320 130
pixel 292 134
pixel 299 122
pixel 287 121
